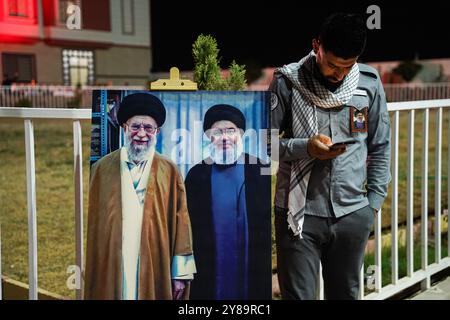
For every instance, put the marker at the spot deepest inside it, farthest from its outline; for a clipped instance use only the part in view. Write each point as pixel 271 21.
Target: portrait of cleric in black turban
pixel 359 119
pixel 229 207
pixel 135 193
pixel 179 202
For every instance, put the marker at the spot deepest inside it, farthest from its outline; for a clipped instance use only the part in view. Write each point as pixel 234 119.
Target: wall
pixel 122 64
pixel 48 60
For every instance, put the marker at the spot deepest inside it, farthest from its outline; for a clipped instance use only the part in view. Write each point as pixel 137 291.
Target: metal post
pixel 394 207
pixel 31 200
pixel 78 179
pixel 410 199
pixel 319 288
pixel 361 283
pixel 424 225
pixel 437 190
pixel 378 255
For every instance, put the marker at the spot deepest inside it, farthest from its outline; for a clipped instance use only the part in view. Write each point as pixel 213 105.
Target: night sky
pixel 273 33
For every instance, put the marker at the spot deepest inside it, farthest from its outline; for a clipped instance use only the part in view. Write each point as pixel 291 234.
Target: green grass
pixel 54 196
pixel 402 174
pixel 386 265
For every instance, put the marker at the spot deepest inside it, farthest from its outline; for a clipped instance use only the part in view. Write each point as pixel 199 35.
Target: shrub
pixel 207 70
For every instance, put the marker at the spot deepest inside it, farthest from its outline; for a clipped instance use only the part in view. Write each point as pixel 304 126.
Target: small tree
pixel 207 69
pixel 236 81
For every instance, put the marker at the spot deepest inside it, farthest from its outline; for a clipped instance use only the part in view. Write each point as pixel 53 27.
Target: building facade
pixel 87 42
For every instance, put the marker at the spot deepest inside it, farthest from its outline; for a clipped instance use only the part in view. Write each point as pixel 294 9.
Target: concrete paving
pixel 440 291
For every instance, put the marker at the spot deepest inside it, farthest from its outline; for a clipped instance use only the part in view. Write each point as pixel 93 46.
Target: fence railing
pixel 58 96
pixel 396 92
pixel 28 115
pixel 417 91
pixel 422 276
pixel 52 96
pixel 427 270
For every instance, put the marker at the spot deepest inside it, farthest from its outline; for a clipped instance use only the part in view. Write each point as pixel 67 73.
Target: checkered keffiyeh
pixel 307 94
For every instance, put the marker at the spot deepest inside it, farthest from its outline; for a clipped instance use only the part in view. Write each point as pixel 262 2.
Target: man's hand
pixel 318 147
pixel 178 287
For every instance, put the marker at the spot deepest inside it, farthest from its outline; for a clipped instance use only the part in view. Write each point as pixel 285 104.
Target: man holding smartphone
pixel 326 197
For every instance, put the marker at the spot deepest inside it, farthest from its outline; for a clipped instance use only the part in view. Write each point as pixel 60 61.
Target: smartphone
pixel 340 144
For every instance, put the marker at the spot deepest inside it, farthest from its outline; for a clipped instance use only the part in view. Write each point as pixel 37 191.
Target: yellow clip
pixel 174 83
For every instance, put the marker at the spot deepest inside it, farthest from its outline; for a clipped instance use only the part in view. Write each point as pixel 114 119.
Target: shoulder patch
pixel 360 92
pixel 368 70
pixel 273 101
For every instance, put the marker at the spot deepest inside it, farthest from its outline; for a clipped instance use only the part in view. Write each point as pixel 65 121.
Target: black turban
pixel 221 112
pixel 141 104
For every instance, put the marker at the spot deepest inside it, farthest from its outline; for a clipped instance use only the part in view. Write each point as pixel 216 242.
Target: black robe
pixel 258 200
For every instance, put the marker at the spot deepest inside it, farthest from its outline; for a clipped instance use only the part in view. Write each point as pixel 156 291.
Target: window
pixel 18 8
pixel 62 6
pixel 78 67
pixel 20 11
pixel 19 68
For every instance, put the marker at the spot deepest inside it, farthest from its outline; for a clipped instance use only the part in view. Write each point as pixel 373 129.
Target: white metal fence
pixel 50 96
pixel 417 91
pixel 422 276
pixel 397 285
pixel 28 115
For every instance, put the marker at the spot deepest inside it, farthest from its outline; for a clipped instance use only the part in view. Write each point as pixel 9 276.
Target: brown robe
pixel 166 230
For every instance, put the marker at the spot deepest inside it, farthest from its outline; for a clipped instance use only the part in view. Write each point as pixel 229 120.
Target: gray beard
pixel 137 153
pixel 228 156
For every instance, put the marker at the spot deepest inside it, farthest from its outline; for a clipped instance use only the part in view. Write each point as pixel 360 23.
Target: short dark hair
pixel 344 34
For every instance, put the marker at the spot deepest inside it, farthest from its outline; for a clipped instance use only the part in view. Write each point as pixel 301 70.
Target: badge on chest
pixel 358 109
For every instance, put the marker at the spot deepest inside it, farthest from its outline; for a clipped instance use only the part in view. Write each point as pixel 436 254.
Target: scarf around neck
pixel 307 94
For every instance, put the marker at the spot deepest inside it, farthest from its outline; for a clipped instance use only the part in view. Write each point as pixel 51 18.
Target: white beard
pixel 227 156
pixel 138 153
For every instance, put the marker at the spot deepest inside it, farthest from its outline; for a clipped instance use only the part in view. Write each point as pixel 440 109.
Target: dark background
pixel 273 33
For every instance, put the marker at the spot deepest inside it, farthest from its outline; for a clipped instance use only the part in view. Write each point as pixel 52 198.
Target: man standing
pixel 139 236
pixel 229 205
pixel 326 198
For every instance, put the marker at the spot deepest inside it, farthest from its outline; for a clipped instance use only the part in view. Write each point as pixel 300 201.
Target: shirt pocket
pixel 358 117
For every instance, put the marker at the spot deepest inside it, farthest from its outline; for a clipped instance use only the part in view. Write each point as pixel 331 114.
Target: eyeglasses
pixel 149 129
pixel 229 132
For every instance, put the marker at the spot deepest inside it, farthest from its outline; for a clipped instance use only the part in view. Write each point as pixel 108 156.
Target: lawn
pixel 386 266
pixel 55 194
